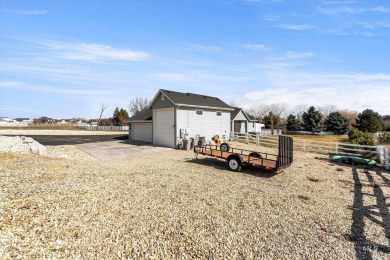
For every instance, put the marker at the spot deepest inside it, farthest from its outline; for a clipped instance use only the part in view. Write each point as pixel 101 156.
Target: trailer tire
pixel 234 164
pixel 224 147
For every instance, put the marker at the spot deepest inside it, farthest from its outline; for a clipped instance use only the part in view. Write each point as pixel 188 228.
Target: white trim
pixel 139 121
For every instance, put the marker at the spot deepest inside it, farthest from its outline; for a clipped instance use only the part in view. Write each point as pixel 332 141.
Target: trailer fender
pixel 239 158
pixel 255 155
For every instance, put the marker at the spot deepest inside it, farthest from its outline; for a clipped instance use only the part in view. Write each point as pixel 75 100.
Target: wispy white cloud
pixel 271 17
pixel 27 12
pixel 339 1
pixel 48 89
pixel 203 48
pixel 256 47
pixel 298 55
pixel 174 77
pixel 352 91
pixel 368 34
pixel 264 1
pixel 97 52
pixel 352 10
pixel 297 27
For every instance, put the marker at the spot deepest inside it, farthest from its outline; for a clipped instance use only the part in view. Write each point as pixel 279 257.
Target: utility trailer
pixel 237 157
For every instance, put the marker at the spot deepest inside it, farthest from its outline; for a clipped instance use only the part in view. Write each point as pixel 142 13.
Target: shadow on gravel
pixel 222 165
pixel 377 213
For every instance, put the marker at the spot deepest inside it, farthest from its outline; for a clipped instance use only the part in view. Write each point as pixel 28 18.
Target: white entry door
pixel 163 120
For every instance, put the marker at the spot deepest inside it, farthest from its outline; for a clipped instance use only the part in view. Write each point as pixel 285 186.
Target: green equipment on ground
pixel 352 159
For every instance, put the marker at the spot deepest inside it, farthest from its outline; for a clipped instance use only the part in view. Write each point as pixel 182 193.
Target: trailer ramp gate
pixel 285 151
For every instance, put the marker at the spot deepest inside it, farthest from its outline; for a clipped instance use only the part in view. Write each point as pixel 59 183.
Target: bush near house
pixel 384 138
pixel 358 137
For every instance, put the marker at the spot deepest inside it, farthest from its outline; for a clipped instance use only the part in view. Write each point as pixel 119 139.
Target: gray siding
pixel 240 116
pixel 208 125
pixel 159 104
pixel 251 126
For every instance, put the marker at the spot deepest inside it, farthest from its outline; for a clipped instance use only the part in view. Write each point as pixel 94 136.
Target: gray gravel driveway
pixel 119 149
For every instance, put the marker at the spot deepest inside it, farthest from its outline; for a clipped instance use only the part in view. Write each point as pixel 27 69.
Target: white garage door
pixel 164 130
pixel 143 132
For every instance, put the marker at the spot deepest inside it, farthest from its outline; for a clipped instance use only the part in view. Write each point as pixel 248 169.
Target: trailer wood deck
pixel 249 159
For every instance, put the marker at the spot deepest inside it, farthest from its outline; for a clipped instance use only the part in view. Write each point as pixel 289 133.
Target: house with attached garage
pixel 172 115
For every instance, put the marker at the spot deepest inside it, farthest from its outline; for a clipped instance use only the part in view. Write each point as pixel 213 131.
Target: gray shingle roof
pixel 192 99
pixel 144 114
pixel 235 112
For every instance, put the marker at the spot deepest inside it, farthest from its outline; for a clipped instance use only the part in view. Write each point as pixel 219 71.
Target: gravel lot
pixel 167 205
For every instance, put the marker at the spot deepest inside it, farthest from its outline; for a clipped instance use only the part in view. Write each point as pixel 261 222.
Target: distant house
pixel 6 120
pixel 244 123
pixel 173 115
pixel 63 121
pixel 23 119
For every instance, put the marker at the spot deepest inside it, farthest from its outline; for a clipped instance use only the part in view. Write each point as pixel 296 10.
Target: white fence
pixel 104 128
pixel 14 124
pixel 381 153
pixel 270 132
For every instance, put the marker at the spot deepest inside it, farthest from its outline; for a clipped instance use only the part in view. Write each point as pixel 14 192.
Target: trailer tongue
pixel 236 157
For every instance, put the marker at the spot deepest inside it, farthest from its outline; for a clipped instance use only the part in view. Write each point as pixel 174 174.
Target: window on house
pixel 162 96
pixel 199 112
pixel 219 113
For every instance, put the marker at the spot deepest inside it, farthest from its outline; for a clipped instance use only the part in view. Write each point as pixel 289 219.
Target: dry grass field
pixel 168 205
pixel 325 138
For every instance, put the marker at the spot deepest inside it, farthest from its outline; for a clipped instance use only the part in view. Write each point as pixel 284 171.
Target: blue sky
pixel 62 58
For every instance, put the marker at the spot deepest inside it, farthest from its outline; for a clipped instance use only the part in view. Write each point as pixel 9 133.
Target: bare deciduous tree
pixel 298 111
pixel 260 111
pixel 326 110
pixel 350 114
pixel 137 104
pixel 233 103
pixel 103 106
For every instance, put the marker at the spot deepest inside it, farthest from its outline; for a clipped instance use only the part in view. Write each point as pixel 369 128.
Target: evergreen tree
pixel 120 116
pixel 271 121
pixel 337 123
pixel 369 121
pixel 293 123
pixel 312 120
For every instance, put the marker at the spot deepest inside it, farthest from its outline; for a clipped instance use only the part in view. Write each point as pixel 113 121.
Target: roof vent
pixel 187 94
